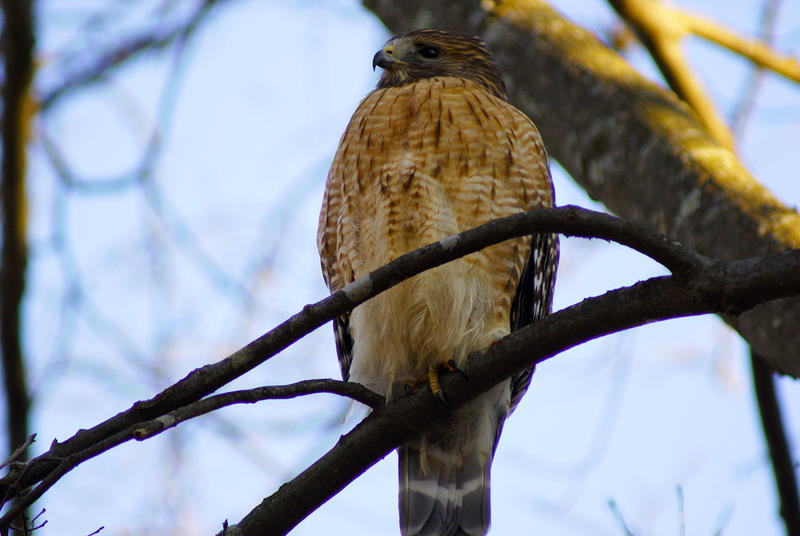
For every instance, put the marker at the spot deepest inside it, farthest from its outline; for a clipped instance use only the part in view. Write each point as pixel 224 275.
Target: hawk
pixel 434 150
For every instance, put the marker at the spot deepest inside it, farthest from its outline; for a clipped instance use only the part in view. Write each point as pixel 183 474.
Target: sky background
pixel 190 230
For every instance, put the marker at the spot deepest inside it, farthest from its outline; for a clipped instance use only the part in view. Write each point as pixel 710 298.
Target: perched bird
pixel 434 150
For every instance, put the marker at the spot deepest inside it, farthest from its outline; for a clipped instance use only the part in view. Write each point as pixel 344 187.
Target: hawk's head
pixel 427 53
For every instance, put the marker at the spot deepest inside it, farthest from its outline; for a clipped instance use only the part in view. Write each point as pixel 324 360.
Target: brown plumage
pixel 433 151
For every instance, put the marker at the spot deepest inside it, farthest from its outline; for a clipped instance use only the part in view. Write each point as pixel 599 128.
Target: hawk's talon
pixel 433 381
pixel 451 365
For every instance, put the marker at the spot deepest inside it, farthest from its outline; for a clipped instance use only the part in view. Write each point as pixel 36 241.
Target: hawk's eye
pixel 429 52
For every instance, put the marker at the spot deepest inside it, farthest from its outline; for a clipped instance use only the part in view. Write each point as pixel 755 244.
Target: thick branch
pixel 571 221
pixel 629 143
pixel 744 283
pixel 717 287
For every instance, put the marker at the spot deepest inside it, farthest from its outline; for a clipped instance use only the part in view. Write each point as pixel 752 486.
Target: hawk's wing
pixel 534 298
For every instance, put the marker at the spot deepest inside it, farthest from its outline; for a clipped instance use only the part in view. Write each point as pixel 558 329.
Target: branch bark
pixel 744 283
pixel 630 144
pixel 571 221
pixel 715 287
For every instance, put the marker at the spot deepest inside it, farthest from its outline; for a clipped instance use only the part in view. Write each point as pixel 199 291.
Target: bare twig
pixel 19 450
pixel 612 504
pixel 130 48
pixel 746 102
pixel 681 512
pixel 777 443
pixel 352 390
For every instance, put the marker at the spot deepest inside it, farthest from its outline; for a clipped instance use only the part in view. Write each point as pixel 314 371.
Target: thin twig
pixel 130 48
pixel 612 504
pixel 777 443
pixel 19 450
pixel 352 390
pixel 746 102
pixel 681 512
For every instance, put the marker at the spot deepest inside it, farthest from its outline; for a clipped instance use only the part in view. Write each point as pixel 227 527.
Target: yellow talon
pixel 433 381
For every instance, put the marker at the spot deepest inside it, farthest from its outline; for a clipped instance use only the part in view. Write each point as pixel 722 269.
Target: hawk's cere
pixel 435 150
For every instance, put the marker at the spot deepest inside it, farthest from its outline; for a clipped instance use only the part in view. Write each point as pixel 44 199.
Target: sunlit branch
pixel 661 28
pixel 755 50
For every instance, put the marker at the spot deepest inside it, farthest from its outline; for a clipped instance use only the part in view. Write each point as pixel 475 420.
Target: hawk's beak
pixel 383 58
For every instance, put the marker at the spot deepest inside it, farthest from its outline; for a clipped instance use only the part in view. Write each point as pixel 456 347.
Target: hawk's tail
pixel 444 480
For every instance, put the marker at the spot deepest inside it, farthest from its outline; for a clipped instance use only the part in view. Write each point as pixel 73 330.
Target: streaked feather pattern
pixel 420 161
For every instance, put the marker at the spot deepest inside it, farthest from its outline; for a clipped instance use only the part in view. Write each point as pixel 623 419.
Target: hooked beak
pixel 383 59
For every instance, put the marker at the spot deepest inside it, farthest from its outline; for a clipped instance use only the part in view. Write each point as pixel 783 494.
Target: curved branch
pixel 148 429
pixel 571 221
pixel 717 287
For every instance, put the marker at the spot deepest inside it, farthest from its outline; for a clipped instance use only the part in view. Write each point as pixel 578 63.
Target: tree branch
pixel 630 144
pixel 716 287
pixel 356 391
pixel 755 50
pixel 571 221
pixel 777 443
pixel 154 427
